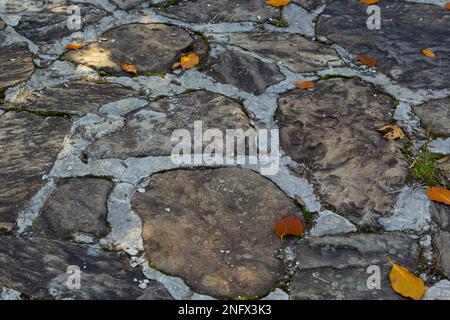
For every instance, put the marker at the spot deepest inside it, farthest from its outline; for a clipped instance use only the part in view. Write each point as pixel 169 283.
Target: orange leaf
pixel 368 61
pixel 369 1
pixel 277 3
pixel 189 61
pixel 405 283
pixel 439 194
pixel 289 225
pixel 304 84
pixel 428 53
pixel 447 6
pixel 74 46
pixel 129 68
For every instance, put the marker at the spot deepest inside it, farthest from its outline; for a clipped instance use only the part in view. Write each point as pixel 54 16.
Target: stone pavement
pixel 86 177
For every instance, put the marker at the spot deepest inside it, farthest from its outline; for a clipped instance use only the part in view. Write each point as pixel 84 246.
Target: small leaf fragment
pixel 405 283
pixel 74 46
pixel 429 53
pixel 392 132
pixel 439 194
pixel 277 3
pixel 189 61
pixel 176 65
pixel 289 225
pixel 369 1
pixel 304 84
pixel 129 68
pixel 368 61
pixel 447 6
pixel 443 159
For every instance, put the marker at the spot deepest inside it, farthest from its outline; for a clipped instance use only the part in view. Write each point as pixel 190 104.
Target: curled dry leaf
pixel 189 61
pixel 369 1
pixel 277 3
pixel 439 194
pixel 392 132
pixel 289 225
pixel 74 46
pixel 429 53
pixel 405 283
pixel 443 159
pixel 368 61
pixel 304 84
pixel 129 68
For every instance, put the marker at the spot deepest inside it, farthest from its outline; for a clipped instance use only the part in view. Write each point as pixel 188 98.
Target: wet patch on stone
pixel 292 51
pixel 435 116
pixel 38 268
pixel 214 228
pixel 78 97
pixel 245 72
pixel 197 11
pixel 16 64
pixel 51 24
pixel 150 47
pixel 398 54
pixel 332 129
pixel 148 131
pixel 76 207
pixel 29 144
pixel 335 267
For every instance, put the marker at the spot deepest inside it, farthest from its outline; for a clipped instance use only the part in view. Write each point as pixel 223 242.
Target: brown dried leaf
pixel 392 132
pixel 129 68
pixel 289 225
pixel 368 61
pixel 304 84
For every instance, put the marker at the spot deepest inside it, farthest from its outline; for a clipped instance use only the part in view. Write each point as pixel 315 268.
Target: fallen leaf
pixel 289 225
pixel 428 53
pixel 368 61
pixel 176 65
pixel 74 46
pixel 369 1
pixel 189 61
pixel 443 159
pixel 130 68
pixel 392 132
pixel 447 6
pixel 304 84
pixel 439 194
pixel 405 283
pixel 277 3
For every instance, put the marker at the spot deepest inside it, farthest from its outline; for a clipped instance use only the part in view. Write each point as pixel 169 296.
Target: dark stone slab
pixel 16 64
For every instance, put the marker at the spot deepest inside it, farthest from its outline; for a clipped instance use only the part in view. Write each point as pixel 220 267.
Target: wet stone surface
pixel 332 130
pixel 148 131
pixel 78 97
pixel 29 145
pixel 38 268
pixel 293 51
pixel 310 4
pixel 16 64
pixel 215 11
pixel 440 214
pixel 76 207
pixel 334 267
pixel 150 47
pixel 435 116
pixel 399 55
pixel 214 228
pixel 245 72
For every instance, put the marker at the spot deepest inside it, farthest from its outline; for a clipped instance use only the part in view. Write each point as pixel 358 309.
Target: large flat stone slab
pixel 245 72
pixel 29 145
pixel 293 51
pixel 52 23
pixel 150 47
pixel 196 11
pixel 332 129
pixel 38 268
pixel 148 131
pixel 335 267
pixel 214 228
pixel 16 64
pixel 435 115
pixel 399 54
pixel 78 97
pixel 440 214
pixel 77 207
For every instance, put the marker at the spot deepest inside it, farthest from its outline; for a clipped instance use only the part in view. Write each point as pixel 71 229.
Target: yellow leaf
pixel 392 132
pixel 189 61
pixel 277 3
pixel 304 84
pixel 74 46
pixel 439 194
pixel 428 53
pixel 405 283
pixel 129 68
pixel 369 1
